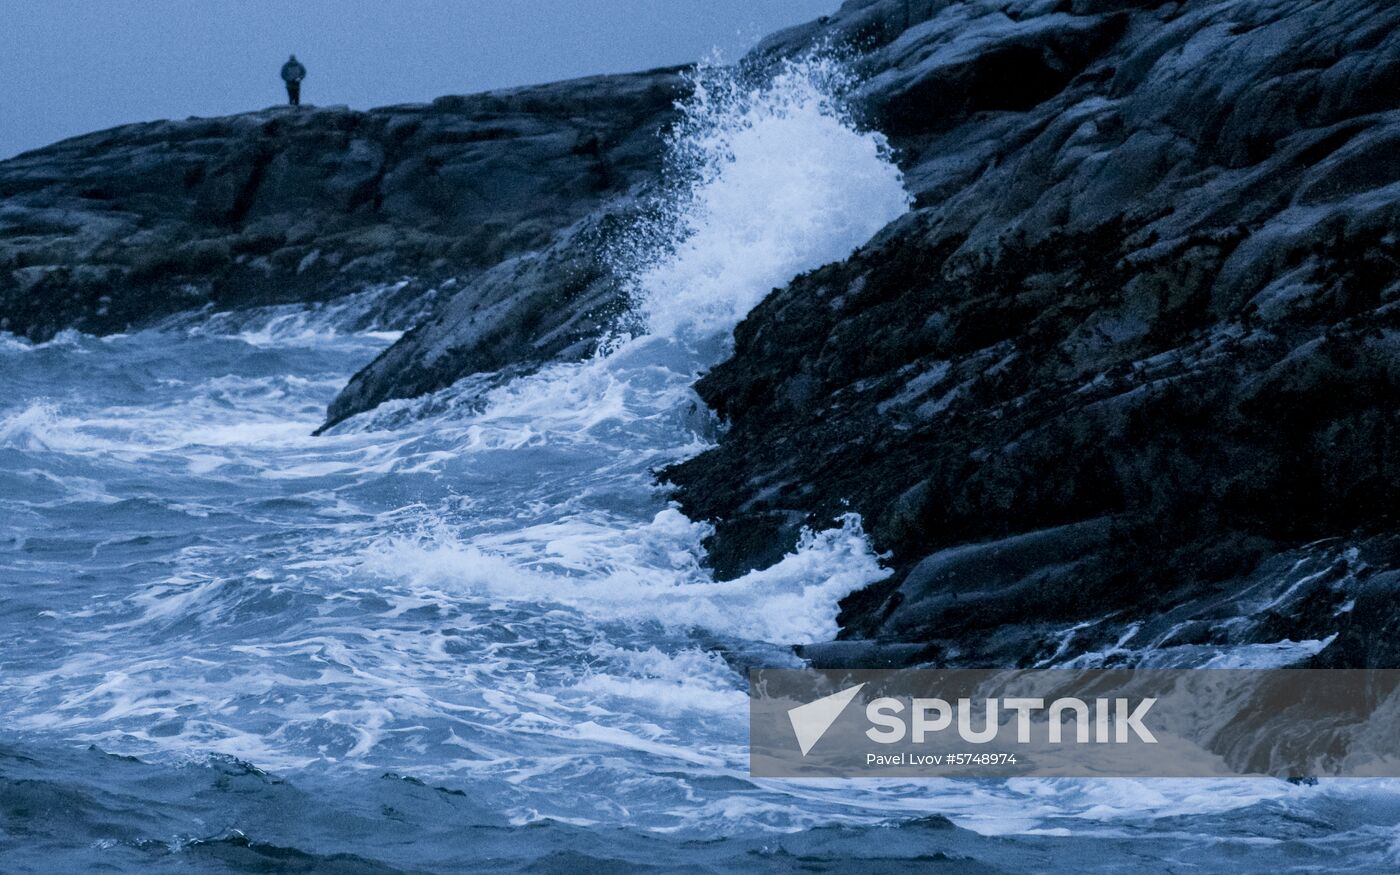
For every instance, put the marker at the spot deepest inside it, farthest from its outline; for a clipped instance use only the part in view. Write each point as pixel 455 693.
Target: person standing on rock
pixel 292 74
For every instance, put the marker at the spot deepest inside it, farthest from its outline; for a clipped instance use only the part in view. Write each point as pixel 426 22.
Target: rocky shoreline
pixel 116 229
pixel 1138 341
pixel 1125 380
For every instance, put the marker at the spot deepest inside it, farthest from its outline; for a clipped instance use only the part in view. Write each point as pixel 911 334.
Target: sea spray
pixel 767 177
pixel 648 574
pixel 495 599
pixel 496 594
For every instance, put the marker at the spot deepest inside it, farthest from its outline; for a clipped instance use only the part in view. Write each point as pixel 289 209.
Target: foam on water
pixel 771 179
pixel 495 595
pixel 647 573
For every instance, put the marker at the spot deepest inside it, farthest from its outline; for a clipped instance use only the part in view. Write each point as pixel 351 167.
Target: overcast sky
pixel 72 66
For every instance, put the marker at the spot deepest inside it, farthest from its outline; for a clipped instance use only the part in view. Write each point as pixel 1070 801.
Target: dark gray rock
pixel 121 227
pixel 523 312
pixel 1126 379
pixel 1140 334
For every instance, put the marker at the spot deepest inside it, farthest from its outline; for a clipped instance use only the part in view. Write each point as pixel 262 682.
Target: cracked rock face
pixel 117 228
pixel 1138 342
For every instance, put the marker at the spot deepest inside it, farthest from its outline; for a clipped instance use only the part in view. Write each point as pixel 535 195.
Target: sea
pixel 472 632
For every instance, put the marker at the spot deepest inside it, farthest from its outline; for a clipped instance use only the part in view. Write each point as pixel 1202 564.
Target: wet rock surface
pixel 524 311
pixel 1125 380
pixel 114 229
pixel 1138 342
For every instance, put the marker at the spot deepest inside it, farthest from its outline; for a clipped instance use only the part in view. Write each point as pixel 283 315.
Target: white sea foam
pixel 497 594
pixel 780 182
pixel 361 315
pixel 770 179
pixel 645 574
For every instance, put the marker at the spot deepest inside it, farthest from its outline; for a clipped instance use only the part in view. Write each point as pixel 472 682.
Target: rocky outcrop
pixel 525 311
pixel 1138 343
pixel 117 228
pixel 1125 380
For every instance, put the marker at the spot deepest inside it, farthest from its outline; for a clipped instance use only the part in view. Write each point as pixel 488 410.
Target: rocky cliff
pixel 1128 377
pixel 117 228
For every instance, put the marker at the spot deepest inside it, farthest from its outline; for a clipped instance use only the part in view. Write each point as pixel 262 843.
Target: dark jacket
pixel 293 71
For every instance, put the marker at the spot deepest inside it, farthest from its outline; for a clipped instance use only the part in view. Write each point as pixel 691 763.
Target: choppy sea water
pixel 470 632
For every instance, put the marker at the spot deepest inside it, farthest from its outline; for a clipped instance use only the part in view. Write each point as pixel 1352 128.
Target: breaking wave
pixel 774 179
pixel 495 599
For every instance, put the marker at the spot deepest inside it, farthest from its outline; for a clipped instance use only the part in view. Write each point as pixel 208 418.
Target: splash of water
pixel 769 179
pixel 497 596
pixel 648 574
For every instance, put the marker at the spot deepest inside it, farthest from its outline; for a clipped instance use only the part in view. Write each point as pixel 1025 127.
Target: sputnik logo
pixel 812 720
